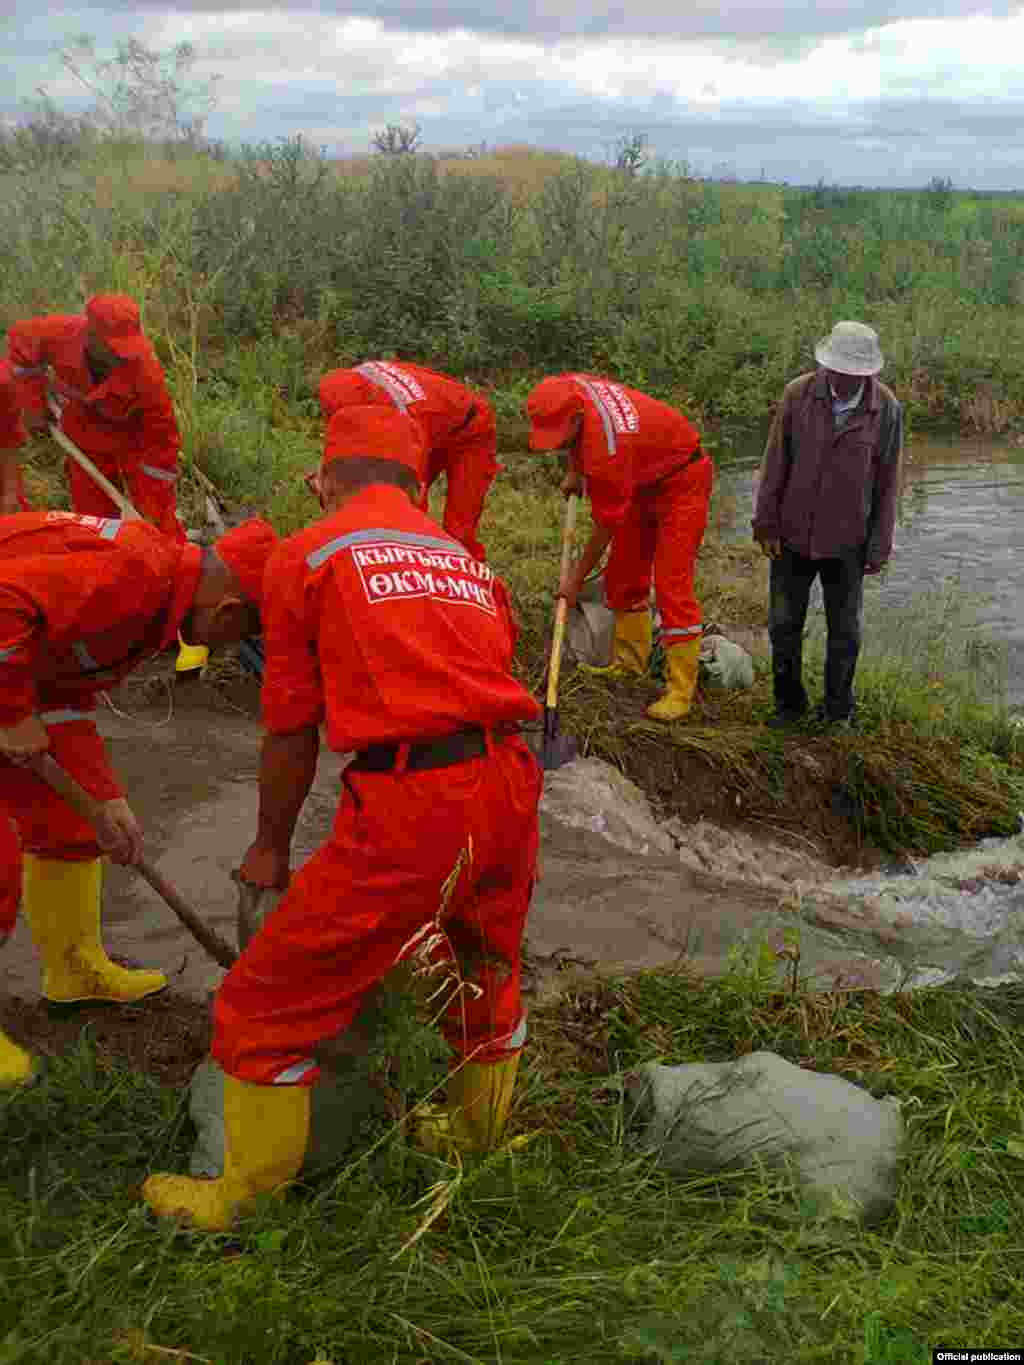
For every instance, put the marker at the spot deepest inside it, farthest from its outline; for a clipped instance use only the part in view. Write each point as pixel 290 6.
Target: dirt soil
pixel 166 1037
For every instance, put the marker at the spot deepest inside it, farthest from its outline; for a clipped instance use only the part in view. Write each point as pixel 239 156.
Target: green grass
pixel 575 1247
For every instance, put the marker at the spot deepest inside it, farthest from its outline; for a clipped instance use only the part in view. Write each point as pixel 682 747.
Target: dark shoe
pixel 785 720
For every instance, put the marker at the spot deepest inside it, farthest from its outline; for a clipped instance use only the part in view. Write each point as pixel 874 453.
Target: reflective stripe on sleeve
pixel 605 415
pixel 63 717
pixel 294 1073
pixel 164 475
pixel 682 630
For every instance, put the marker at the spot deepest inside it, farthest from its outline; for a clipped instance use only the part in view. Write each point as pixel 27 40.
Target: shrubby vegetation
pixel 504 265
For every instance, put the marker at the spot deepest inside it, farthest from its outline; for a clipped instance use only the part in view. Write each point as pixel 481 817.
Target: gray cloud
pixel 550 20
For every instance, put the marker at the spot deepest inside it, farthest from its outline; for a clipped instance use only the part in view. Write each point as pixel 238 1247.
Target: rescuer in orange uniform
pixel 12 437
pixel 456 426
pixel 388 631
pixel 115 408
pixel 649 484
pixel 84 601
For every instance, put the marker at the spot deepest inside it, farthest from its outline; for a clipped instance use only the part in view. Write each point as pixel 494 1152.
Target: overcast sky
pixel 879 92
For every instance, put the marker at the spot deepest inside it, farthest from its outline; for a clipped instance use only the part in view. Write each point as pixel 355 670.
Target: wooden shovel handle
pixel 113 493
pixel 48 770
pixel 562 609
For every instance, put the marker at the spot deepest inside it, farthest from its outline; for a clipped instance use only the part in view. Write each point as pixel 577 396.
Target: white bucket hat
pixel 850 348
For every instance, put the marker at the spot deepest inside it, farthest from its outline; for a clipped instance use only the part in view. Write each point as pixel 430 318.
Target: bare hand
pixel 117 831
pixel 771 548
pixel 872 567
pixel 312 481
pixel 24 739
pixel 264 866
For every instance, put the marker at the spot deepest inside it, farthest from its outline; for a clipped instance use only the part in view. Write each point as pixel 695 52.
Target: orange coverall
pixel 648 481
pixel 83 601
pixel 457 427
pixel 126 425
pixel 391 632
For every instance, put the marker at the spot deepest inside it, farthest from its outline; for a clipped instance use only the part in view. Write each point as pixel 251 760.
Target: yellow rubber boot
pixel 681 664
pixel 266 1131
pixel 191 658
pixel 631 646
pixel 61 902
pixel 474 1118
pixel 16 1066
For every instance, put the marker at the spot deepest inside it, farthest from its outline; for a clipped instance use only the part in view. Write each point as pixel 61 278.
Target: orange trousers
pixel 35 819
pixel 372 897
pixel 659 540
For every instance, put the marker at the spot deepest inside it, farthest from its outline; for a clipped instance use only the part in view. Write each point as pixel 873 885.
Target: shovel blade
pixel 557 749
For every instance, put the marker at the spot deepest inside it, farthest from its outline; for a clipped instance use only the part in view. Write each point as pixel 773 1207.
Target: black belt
pixel 428 753
pixel 692 458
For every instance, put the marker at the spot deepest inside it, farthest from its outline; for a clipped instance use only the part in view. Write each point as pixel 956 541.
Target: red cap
pixel 552 408
pixel 115 320
pixel 372 430
pixel 245 550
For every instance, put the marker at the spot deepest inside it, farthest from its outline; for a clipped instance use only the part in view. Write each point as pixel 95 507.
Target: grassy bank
pixel 572 1248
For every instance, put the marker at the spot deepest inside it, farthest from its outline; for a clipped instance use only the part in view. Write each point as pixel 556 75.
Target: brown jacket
pixel 823 492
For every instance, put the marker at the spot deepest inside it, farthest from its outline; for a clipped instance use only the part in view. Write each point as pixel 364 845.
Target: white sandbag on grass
pixel 840 1145
pixel 724 663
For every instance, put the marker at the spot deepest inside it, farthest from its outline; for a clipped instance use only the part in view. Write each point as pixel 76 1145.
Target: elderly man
pixel 826 507
pixel 383 627
pixel 83 602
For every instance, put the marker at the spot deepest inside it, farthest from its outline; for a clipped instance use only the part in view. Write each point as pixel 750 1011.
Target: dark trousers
pixel 842 585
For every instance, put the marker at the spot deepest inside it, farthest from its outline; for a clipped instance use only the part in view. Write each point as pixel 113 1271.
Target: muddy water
pixel 961 525
pixel 192 782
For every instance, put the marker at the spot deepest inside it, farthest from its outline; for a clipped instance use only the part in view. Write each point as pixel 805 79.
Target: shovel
pixel 559 749
pixel 115 495
pixel 48 770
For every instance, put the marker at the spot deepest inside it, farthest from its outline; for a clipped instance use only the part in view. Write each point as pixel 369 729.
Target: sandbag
pixel 342 1103
pixel 590 627
pixel 724 663
pixel 841 1146
pixel 342 1106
